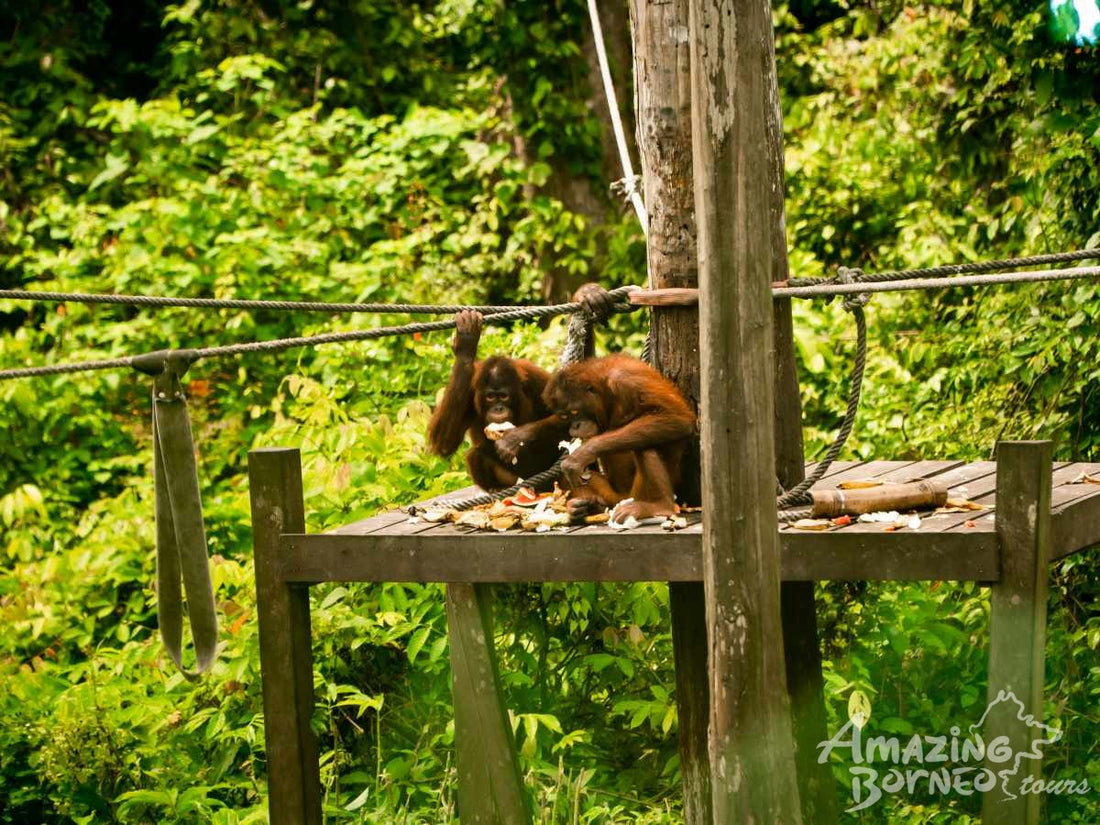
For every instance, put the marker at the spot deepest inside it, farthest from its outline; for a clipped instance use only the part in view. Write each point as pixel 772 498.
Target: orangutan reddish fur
pixel 634 424
pixel 495 390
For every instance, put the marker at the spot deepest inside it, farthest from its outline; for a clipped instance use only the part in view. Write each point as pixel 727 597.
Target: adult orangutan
pixel 634 425
pixel 496 391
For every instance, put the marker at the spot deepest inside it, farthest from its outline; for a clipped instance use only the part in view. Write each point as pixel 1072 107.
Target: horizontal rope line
pixel 242 303
pixel 513 314
pixel 61 369
pixel 280 344
pixel 910 284
pixel 963 269
pixel 449 309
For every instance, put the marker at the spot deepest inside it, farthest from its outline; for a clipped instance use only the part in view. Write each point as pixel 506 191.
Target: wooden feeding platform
pixel 1035 512
pixel 951 546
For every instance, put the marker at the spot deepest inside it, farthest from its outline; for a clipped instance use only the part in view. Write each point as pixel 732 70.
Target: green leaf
pixel 416 642
pixel 116 165
pixel 335 595
pixel 359 801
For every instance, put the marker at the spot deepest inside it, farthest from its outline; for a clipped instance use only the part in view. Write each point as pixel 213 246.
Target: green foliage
pixel 942 134
pixel 394 151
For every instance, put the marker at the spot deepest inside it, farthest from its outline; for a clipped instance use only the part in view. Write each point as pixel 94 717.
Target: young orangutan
pixel 495 391
pixel 633 423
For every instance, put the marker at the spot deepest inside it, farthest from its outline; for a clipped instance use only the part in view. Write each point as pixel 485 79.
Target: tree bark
pixel 802 648
pixel 662 71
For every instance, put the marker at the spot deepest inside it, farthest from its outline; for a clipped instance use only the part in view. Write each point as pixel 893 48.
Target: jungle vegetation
pixel 458 150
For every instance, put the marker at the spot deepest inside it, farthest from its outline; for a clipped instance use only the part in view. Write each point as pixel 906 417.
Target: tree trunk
pixel 662 72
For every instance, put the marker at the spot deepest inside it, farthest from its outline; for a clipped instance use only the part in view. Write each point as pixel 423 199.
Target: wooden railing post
pixel 490 786
pixel 286 660
pixel 733 87
pixel 1017 634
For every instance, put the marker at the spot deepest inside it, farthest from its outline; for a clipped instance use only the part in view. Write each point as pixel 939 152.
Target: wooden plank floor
pixel 953 546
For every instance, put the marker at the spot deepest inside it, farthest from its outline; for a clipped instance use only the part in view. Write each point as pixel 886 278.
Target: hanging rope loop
pixel 799 494
pixel 183 569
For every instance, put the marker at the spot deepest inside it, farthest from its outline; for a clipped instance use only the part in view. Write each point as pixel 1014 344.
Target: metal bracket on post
pixel 182 565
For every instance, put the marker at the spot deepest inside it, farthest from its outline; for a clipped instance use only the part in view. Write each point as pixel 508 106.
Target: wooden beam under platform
pixel 948 547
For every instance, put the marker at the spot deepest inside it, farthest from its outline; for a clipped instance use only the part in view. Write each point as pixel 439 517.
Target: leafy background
pixel 455 150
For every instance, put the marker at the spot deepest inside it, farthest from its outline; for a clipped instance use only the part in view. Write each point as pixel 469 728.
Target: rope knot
pixel 851 275
pixel 626 187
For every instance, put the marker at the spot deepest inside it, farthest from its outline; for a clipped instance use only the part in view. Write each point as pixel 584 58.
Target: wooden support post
pixel 1017 635
pixel 687 602
pixel 286 660
pixel 490 786
pixel 662 72
pixel 733 85
pixel 802 649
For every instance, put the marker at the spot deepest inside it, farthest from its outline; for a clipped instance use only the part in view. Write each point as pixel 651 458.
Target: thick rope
pixel 61 369
pixel 280 344
pixel 825 290
pixel 628 186
pixel 537 480
pixel 240 303
pixel 961 269
pixel 799 494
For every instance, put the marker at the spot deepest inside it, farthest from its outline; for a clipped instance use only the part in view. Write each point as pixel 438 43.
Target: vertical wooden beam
pixel 1017 634
pixel 733 85
pixel 286 660
pixel 801 646
pixel 490 786
pixel 817 788
pixel 662 76
pixel 687 602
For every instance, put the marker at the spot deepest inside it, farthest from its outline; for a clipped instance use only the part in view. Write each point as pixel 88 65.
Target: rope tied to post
pixel 846 275
pixel 627 187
